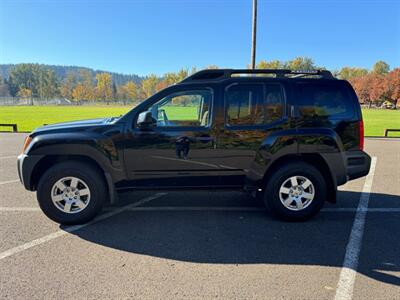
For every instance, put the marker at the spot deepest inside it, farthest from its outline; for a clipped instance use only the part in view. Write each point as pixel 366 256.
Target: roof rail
pixel 220 74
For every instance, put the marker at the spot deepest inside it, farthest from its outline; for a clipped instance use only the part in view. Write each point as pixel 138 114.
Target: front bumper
pixel 357 164
pixel 26 165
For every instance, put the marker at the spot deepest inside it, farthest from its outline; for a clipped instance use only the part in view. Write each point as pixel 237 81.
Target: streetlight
pixel 254 36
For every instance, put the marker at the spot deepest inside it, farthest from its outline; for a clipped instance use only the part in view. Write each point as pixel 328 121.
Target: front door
pixel 179 149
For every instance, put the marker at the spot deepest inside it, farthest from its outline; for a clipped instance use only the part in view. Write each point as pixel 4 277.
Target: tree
pixel 161 85
pixel 273 64
pixel 128 91
pixel 24 93
pixel 170 78
pixel 174 77
pixel 362 86
pixel 86 80
pixel 149 86
pixel 48 84
pixel 4 88
pixel 24 76
pixel 39 79
pixel 370 88
pixel 392 85
pixel 348 73
pixel 300 63
pixel 104 87
pixel 114 90
pixel 377 89
pixel 79 93
pixel 381 68
pixel 68 85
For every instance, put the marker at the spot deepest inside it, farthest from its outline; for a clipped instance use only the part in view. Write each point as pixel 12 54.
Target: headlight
pixel 28 140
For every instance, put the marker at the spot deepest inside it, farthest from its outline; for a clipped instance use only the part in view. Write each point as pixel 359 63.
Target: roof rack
pixel 220 74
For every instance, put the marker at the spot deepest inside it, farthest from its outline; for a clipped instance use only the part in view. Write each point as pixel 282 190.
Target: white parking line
pixel 10 181
pixel 250 209
pixel 198 208
pixel 13 209
pixel 347 277
pixel 370 210
pixel 70 229
pixel 214 208
pixel 8 157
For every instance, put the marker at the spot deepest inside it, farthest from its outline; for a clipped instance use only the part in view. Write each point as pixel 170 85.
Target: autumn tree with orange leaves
pixel 392 86
pixel 375 88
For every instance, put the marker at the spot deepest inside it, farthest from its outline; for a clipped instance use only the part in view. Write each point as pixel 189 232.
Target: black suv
pixel 290 137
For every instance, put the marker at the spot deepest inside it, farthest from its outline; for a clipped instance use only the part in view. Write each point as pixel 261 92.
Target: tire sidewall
pixel 81 171
pixel 273 202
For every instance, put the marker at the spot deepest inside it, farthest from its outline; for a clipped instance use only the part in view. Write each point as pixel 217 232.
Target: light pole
pixel 254 36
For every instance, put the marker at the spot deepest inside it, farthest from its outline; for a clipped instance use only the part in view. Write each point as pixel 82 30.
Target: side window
pixel 189 108
pixel 324 100
pixel 244 105
pixel 247 105
pixel 274 102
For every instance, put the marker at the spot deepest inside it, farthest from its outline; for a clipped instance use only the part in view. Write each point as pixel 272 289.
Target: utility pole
pixel 254 36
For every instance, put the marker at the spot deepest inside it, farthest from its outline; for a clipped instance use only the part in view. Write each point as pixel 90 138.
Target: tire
pixel 65 204
pixel 290 202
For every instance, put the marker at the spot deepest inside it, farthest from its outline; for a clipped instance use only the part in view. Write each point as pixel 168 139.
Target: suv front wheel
pixel 71 193
pixel 295 192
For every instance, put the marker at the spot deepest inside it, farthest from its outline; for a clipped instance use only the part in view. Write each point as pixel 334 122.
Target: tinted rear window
pixel 325 100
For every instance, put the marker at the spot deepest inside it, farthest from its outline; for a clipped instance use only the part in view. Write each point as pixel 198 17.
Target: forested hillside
pixel 62 72
pixel 373 86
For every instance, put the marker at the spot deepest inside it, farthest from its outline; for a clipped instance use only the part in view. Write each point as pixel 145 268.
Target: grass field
pixel 377 120
pixel 29 117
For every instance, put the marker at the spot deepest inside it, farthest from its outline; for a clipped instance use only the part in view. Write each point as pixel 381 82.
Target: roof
pixel 221 74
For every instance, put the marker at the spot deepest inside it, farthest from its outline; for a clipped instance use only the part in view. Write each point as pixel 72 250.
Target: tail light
pixel 361 132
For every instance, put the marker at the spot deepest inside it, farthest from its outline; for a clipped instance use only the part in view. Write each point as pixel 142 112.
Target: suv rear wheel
pixel 71 193
pixel 295 192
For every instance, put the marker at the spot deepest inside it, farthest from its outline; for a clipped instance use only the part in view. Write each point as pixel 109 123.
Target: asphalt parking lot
pixel 205 244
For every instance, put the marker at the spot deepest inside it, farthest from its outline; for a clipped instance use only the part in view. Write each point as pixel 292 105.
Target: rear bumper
pixel 357 164
pixel 26 165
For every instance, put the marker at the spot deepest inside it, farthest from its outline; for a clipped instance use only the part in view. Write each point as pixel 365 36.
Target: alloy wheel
pixel 70 195
pixel 296 193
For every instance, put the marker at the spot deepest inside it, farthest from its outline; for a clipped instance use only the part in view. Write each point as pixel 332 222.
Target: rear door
pixel 251 112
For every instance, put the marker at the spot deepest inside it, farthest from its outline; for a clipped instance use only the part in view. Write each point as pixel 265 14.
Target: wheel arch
pixel 313 159
pixel 50 160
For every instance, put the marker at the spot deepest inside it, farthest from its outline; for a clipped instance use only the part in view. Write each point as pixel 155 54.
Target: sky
pixel 144 37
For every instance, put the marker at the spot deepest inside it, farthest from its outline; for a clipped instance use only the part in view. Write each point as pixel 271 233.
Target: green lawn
pixel 181 113
pixel 377 120
pixel 29 117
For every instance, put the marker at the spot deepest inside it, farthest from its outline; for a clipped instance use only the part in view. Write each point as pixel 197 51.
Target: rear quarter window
pixel 324 100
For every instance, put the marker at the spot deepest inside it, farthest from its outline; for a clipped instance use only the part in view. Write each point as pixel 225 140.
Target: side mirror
pixel 146 121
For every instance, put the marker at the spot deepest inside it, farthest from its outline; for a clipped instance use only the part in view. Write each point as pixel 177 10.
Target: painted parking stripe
pixel 370 210
pixel 348 273
pixel 250 209
pixel 70 229
pixel 9 181
pixel 14 209
pixel 214 208
pixel 8 157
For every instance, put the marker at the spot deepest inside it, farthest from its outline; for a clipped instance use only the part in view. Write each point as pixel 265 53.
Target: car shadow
pixel 253 237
